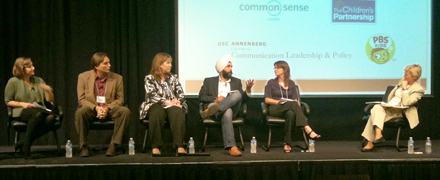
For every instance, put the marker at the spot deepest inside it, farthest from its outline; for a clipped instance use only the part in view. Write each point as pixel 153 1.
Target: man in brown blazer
pixel 100 97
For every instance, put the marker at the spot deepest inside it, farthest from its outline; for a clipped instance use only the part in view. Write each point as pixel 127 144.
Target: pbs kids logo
pixel 380 48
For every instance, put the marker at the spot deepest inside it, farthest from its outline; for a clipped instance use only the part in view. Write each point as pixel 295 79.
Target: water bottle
pixel 253 145
pixel 311 145
pixel 131 147
pixel 410 146
pixel 428 146
pixel 191 146
pixel 68 149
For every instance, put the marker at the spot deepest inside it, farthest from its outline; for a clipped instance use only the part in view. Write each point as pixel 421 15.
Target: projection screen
pixel 334 47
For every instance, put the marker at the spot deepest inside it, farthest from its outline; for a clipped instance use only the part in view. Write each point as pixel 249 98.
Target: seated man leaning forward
pixel 100 98
pixel 224 94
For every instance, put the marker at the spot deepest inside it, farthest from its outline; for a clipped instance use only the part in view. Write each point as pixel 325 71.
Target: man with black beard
pixel 223 96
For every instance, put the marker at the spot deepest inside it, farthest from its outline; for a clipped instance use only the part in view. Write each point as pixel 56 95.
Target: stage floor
pixel 326 151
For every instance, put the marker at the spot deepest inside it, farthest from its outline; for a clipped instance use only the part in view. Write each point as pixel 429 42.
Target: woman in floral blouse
pixel 164 100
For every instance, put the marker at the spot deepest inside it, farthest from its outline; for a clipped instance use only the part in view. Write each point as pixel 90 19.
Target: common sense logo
pixel 273 8
pixel 380 48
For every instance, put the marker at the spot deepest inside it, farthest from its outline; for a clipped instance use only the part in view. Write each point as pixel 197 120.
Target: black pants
pixel 157 116
pixel 39 122
pixel 293 114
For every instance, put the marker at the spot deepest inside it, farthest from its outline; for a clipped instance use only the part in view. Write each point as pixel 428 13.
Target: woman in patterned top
pixel 164 99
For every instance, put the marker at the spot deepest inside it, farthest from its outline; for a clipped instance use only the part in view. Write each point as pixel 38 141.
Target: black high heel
pixel 314 138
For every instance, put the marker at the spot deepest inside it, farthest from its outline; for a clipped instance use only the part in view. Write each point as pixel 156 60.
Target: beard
pixel 227 75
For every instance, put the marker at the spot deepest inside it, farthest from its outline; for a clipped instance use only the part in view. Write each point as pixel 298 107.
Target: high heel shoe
pixel 366 150
pixel 379 141
pixel 316 137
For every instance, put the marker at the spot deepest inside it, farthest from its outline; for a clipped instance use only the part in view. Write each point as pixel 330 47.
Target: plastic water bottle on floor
pixel 410 146
pixel 253 145
pixel 191 146
pixel 311 145
pixel 68 149
pixel 131 150
pixel 428 146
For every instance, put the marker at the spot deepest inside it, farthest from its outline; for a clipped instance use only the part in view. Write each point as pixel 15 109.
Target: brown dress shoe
pixel 111 150
pixel 85 151
pixel 234 151
pixel 212 109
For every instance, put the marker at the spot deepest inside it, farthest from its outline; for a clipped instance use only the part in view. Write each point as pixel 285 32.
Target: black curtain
pixel 318 170
pixel 61 37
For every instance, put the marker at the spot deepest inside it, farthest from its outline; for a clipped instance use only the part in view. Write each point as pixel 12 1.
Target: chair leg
pixel 241 138
pixel 306 143
pixel 8 131
pixel 16 137
pixel 397 140
pixel 145 140
pixel 398 147
pixel 206 138
pixel 57 141
pixel 267 148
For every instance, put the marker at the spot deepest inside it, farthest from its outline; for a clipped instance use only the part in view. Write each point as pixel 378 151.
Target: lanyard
pixel 282 93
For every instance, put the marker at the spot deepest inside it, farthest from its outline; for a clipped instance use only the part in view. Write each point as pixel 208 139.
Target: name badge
pixel 100 99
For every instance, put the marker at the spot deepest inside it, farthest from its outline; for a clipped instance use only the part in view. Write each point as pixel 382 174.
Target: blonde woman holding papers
pixel 407 92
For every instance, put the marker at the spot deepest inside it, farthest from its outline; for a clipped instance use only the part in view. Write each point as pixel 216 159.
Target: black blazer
pixel 209 90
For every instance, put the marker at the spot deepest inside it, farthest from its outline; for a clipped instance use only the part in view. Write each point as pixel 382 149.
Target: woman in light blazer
pixel 407 92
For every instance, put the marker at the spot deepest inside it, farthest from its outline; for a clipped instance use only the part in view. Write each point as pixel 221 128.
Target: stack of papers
pixel 41 107
pixel 384 104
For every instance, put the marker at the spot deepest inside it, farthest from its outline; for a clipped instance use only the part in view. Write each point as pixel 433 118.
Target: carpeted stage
pixel 332 160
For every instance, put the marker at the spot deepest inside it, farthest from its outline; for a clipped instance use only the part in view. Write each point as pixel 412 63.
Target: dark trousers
pixel 38 123
pixel 157 116
pixel 293 114
pixel 120 115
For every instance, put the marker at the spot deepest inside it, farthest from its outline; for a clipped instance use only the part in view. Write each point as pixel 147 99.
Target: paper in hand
pixel 40 107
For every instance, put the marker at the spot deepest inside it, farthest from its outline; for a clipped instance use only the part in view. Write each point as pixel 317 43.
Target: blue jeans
pixel 229 108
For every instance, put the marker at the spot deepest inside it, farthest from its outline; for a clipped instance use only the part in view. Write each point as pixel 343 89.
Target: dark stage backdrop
pixel 61 37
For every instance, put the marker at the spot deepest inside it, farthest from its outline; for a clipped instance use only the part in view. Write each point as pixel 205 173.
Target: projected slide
pixel 333 47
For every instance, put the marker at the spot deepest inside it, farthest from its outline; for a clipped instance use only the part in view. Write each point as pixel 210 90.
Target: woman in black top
pixel 282 97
